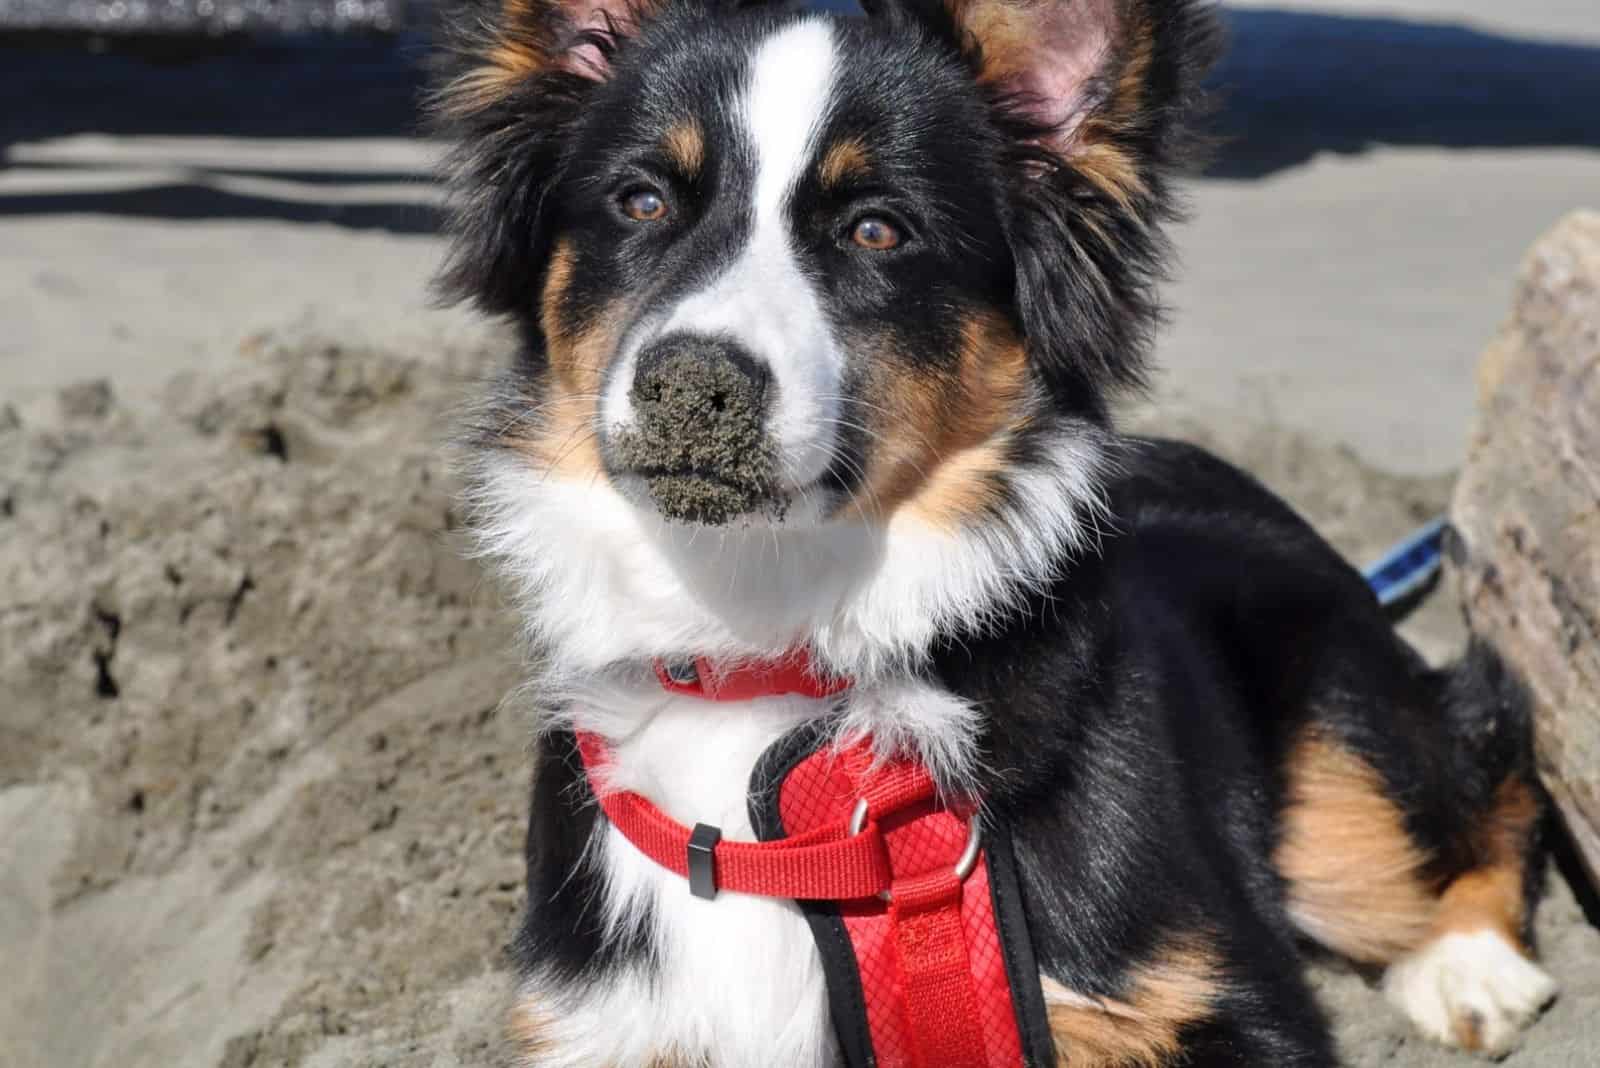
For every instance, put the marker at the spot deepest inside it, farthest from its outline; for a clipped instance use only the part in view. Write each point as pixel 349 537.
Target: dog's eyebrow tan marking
pixel 685 145
pixel 1175 988
pixel 845 158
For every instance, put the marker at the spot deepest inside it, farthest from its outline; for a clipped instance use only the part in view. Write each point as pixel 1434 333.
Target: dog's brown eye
pixel 644 205
pixel 876 233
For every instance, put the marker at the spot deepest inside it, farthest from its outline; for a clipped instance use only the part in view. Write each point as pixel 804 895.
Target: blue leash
pixel 1410 565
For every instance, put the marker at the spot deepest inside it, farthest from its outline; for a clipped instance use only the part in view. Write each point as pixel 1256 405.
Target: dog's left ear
pixel 528 39
pixel 1091 97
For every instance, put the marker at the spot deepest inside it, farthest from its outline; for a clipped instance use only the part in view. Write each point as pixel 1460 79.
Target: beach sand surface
pixel 263 767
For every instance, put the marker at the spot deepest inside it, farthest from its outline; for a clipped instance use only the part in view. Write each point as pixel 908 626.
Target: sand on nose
pixel 699 439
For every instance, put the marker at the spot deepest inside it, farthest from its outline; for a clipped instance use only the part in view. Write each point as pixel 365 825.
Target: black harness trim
pixel 846 1002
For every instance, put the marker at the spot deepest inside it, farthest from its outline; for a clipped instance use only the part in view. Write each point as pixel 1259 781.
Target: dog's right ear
pixel 521 76
pixel 1091 98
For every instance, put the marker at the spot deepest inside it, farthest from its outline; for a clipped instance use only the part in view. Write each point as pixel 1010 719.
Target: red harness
pixel 869 847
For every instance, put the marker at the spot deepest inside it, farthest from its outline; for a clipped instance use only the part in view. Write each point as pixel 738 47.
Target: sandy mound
pixel 260 802
pixel 260 798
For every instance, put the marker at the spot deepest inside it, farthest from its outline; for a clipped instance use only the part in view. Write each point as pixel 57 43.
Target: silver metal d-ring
pixel 858 816
pixel 969 856
pixel 964 863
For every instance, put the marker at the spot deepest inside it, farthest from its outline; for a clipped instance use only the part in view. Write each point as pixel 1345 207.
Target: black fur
pixel 561 931
pixel 1000 222
pixel 1141 714
pixel 1141 711
pixel 1144 713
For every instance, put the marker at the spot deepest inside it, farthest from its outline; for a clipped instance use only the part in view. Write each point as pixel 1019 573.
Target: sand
pixel 261 795
pixel 260 789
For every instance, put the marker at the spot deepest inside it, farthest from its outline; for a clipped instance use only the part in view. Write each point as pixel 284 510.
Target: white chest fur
pixel 737 980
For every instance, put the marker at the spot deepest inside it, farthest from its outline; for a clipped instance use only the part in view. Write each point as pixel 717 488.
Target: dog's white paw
pixel 1473 991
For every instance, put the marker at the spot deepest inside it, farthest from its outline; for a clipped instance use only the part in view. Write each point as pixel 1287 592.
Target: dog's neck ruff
pixel 918 924
pixel 601 581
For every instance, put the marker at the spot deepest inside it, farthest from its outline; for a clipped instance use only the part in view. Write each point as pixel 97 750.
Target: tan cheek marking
pixel 576 355
pixel 1174 990
pixel 685 145
pixel 557 280
pixel 963 487
pixel 1356 878
pixel 844 160
pixel 563 442
pixel 943 442
pixel 560 437
pixel 906 431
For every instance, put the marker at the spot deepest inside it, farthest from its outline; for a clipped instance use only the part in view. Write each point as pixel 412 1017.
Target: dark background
pixel 1292 84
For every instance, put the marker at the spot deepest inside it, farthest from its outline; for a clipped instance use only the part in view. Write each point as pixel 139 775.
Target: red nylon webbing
pixel 824 864
pixel 941 1004
pixel 746 680
pixel 930 962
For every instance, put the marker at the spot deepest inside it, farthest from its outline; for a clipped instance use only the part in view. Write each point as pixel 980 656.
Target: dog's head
pixel 783 271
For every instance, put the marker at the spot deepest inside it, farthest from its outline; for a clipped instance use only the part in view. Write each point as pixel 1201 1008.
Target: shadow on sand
pixel 1296 83
pixel 1292 84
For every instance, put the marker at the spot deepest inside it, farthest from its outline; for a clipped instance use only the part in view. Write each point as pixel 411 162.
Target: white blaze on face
pixel 763 300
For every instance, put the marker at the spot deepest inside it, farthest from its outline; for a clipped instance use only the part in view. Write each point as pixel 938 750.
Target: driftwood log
pixel 1527 508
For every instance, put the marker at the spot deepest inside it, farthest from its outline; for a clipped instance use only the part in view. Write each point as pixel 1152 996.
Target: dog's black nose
pixel 705 378
pixel 699 429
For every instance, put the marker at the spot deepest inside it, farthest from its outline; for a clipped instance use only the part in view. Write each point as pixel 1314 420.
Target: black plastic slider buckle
pixel 703 860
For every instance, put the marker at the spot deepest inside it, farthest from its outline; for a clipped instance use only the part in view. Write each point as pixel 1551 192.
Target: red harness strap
pixel 934 988
pixel 746 680
pixel 827 863
pixel 873 837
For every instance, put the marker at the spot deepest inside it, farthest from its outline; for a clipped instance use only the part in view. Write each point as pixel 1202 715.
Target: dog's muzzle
pixel 699 437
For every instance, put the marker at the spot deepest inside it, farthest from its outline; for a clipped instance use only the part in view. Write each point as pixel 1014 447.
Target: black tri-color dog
pixel 821 319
